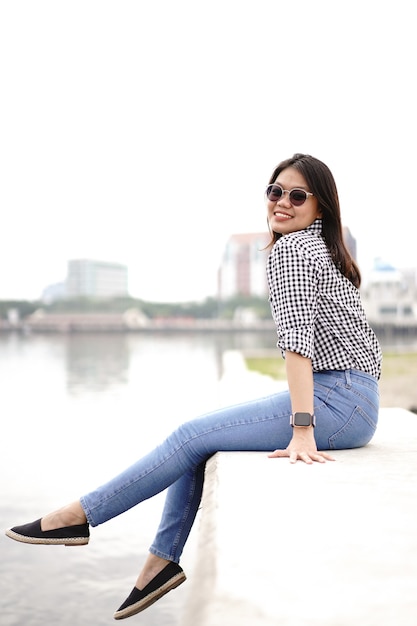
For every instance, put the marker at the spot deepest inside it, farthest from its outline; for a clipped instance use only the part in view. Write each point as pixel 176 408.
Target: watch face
pixel 302 419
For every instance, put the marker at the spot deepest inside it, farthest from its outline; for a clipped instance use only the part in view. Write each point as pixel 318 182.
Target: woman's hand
pixel 302 447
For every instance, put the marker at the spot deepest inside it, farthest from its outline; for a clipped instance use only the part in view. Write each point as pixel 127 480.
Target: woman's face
pixel 286 218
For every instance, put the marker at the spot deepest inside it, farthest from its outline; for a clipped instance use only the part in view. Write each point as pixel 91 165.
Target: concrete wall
pixel 322 545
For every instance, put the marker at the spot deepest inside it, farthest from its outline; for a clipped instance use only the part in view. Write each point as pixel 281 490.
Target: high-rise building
pixel 242 271
pixel 96 279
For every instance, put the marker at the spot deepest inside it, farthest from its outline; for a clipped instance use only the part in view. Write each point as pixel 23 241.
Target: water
pixel 77 410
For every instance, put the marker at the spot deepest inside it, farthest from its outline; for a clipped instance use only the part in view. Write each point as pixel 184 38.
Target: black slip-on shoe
pixel 67 536
pixel 171 576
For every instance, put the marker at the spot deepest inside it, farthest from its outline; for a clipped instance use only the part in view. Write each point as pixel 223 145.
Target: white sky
pixel 144 132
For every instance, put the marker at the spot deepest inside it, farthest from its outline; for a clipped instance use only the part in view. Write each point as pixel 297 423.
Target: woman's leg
pixel 254 425
pixel 250 426
pixel 257 425
pixel 161 571
pixel 181 505
pixel 346 406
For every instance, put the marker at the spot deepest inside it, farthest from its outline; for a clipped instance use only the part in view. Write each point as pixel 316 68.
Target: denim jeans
pixel 346 407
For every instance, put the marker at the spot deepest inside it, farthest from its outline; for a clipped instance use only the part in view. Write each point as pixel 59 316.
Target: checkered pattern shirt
pixel 317 311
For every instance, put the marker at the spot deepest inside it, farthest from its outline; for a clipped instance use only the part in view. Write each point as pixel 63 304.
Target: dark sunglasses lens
pixel 274 192
pixel 298 197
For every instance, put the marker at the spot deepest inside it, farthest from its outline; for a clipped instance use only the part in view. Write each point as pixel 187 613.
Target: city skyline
pixel 59 290
pixel 148 145
pixel 53 290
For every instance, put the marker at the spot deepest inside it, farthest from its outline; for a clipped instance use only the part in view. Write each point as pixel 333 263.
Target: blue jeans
pixel 346 407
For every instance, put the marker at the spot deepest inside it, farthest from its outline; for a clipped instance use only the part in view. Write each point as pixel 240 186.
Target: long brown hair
pixel 322 184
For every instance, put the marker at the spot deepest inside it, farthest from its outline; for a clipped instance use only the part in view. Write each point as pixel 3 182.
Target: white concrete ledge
pixel 322 545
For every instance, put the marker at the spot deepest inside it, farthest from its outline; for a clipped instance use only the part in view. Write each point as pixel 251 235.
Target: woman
pixel 332 361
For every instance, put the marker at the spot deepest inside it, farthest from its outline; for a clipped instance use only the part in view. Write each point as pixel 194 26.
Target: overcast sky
pixel 144 132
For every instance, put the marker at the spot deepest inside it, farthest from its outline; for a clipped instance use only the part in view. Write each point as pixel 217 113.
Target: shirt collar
pixel 316 227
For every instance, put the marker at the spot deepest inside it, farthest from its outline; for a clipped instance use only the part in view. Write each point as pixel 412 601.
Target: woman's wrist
pixel 300 432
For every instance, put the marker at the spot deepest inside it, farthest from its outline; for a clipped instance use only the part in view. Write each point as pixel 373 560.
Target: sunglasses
pixel 296 196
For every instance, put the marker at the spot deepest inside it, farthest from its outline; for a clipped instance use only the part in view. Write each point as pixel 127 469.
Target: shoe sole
pixel 65 541
pixel 143 604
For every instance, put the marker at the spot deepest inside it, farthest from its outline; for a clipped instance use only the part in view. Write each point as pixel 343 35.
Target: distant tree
pixel 210 308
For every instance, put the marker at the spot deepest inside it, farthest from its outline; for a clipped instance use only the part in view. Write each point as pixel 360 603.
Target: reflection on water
pixel 76 410
pixel 93 363
pixel 98 362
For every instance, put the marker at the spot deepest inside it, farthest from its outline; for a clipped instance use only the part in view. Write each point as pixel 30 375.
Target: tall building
pixel 96 279
pixel 242 271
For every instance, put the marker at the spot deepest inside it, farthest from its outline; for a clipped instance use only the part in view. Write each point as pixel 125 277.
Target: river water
pixel 76 410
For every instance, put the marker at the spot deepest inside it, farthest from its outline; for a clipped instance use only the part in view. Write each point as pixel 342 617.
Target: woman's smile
pixel 279 215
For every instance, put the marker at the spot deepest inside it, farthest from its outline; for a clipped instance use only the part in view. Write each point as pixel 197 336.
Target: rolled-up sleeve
pixel 293 279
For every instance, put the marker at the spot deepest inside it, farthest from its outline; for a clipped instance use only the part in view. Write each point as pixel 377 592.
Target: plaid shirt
pixel 317 311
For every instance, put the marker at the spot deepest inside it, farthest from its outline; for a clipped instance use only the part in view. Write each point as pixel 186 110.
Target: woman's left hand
pixel 302 447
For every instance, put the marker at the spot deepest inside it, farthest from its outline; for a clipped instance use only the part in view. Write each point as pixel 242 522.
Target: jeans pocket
pixel 355 433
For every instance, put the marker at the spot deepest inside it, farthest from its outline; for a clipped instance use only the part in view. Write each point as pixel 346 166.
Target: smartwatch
pixel 302 419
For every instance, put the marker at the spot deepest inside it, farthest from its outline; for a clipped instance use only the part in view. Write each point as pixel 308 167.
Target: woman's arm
pixel 300 382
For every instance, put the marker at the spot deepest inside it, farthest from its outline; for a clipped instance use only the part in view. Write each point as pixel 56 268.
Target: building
pixel 389 296
pixel 242 271
pixel 96 279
